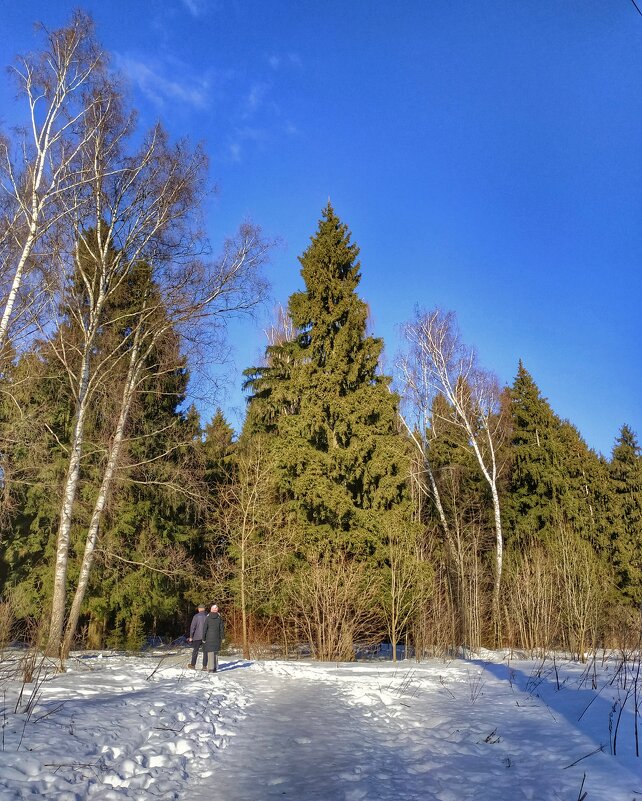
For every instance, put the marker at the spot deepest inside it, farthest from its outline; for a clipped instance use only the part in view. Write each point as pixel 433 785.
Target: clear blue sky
pixel 487 157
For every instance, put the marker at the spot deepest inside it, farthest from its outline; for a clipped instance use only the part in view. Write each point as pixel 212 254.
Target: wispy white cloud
pixel 277 60
pixel 261 120
pixel 197 8
pixel 255 98
pixel 244 136
pixel 165 83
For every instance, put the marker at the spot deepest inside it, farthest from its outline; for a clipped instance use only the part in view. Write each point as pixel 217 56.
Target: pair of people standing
pixel 208 630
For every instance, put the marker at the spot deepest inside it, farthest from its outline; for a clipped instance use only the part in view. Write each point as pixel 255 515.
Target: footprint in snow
pixel 350 777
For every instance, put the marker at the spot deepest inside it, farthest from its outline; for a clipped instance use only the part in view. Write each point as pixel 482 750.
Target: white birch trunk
pixel 58 602
pixel 445 365
pixel 101 500
pixel 44 141
pixel 431 476
pixel 64 527
pixel 15 286
pixel 491 477
pixel 499 555
pixel 34 216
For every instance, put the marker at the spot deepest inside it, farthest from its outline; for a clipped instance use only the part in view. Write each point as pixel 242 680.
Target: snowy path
pixel 379 732
pixel 302 740
pixel 122 728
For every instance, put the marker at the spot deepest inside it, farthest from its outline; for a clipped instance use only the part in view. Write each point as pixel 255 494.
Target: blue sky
pixel 487 157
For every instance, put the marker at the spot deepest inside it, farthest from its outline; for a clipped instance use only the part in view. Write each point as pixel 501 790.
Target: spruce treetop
pixel 626 447
pixel 330 317
pixel 331 416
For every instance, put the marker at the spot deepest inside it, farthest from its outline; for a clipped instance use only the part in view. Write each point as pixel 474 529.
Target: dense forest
pixel 431 507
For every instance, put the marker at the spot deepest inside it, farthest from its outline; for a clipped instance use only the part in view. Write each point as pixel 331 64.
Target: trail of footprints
pixel 176 737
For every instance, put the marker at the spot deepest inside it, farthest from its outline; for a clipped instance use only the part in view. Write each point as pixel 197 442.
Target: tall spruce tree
pixel 218 449
pixel 557 482
pixel 625 516
pixel 537 480
pixel 333 419
pixel 586 493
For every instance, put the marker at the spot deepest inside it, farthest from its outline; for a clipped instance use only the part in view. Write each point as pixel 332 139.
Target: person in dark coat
pixel 213 635
pixel 196 636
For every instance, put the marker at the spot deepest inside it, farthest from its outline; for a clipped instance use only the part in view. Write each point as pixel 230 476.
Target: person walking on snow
pixel 196 636
pixel 213 635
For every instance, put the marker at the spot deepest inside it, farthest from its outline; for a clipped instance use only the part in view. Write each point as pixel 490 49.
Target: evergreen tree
pixel 556 479
pixel 218 452
pixel 340 459
pixel 142 565
pixel 585 498
pixel 151 533
pixel 35 411
pixel 626 514
pixel 537 478
pixel 218 449
pixel 144 568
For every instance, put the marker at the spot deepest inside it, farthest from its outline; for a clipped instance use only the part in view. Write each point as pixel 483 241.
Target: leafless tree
pixel 407 576
pixel 439 363
pixel 335 601
pixel 533 592
pixel 253 532
pixel 582 590
pixel 39 165
pixel 282 329
pixel 135 211
pixel 231 285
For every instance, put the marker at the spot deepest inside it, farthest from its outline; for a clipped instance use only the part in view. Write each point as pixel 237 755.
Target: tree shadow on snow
pixel 589 710
pixel 239 663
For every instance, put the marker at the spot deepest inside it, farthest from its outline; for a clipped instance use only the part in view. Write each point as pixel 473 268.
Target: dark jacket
pixel 198 623
pixel 213 632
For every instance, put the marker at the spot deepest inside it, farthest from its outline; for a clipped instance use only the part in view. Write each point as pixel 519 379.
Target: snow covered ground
pixel 488 727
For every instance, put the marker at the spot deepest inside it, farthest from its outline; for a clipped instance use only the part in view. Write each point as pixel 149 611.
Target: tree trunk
pixel 15 286
pixel 393 618
pixel 96 633
pixel 499 557
pixel 101 500
pixel 58 601
pixel 246 644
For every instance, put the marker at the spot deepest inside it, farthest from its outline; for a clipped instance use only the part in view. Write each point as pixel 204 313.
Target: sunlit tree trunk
pixel 439 363
pixel 53 82
pixel 101 500
pixel 69 494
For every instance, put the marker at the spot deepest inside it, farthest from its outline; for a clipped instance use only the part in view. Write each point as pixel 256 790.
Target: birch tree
pixel 443 365
pixel 425 415
pixel 39 164
pixel 134 207
pixel 193 297
pixel 418 394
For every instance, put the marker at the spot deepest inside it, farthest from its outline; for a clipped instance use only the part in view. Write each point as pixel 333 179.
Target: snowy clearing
pixel 491 727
